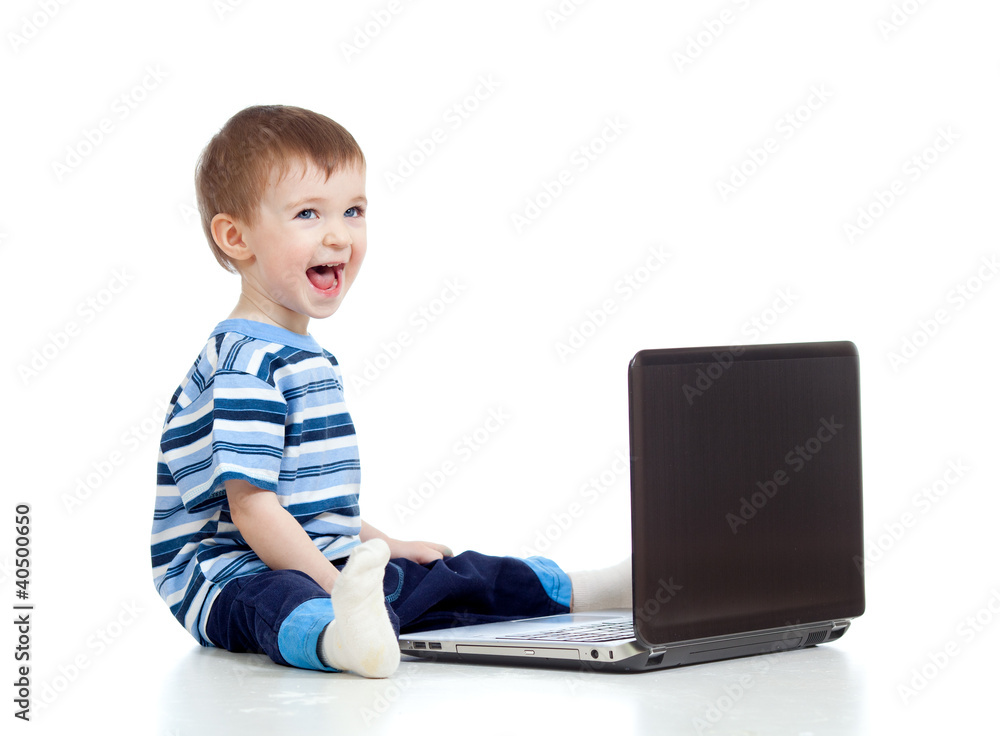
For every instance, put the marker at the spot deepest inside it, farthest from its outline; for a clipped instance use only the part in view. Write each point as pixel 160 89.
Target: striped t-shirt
pixel 265 405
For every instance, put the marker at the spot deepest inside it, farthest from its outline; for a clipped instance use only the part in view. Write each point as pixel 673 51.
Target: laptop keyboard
pixel 603 631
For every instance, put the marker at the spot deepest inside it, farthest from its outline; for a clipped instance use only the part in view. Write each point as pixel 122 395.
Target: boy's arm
pixel 422 552
pixel 274 534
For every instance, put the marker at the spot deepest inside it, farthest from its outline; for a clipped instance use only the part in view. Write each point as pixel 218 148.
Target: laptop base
pixel 475 644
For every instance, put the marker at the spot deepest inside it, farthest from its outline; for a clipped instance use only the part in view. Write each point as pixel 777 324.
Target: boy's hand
pixel 420 552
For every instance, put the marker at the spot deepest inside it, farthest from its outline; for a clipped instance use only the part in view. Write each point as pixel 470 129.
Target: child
pixel 258 474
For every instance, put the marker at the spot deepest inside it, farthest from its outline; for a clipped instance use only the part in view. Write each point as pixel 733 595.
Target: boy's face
pixel 307 245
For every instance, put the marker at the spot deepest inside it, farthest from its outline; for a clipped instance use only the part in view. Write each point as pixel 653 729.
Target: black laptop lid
pixel 746 488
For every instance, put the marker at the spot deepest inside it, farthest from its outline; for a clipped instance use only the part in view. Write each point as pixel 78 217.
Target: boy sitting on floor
pixel 258 475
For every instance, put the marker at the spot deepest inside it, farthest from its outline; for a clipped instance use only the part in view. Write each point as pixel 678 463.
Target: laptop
pixel 746 518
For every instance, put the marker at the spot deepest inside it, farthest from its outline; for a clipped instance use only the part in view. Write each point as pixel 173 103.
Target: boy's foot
pixel 609 587
pixel 361 639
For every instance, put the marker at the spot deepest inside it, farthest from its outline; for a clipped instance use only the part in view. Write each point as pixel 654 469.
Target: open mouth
pixel 327 276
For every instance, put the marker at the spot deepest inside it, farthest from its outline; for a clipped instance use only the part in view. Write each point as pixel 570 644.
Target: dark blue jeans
pixel 282 613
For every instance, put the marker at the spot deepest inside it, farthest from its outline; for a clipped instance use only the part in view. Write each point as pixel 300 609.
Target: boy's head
pixel 259 143
pixel 281 191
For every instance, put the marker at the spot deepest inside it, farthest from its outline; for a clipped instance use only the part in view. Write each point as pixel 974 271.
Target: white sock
pixel 361 639
pixel 609 587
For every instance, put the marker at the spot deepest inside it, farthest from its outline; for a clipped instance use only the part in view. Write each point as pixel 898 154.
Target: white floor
pixel 152 679
pixel 506 700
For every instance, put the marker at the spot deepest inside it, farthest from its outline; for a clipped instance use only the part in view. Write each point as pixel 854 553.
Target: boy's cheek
pixel 357 258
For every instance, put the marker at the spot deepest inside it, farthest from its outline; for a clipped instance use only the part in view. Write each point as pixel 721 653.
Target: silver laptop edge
pixel 481 644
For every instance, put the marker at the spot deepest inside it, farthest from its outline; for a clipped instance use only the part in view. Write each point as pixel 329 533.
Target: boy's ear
pixel 227 232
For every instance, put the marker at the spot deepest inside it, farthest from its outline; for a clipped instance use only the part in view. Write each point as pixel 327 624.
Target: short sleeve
pixel 234 429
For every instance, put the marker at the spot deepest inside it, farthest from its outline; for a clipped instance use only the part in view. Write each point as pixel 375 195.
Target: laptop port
pixel 419 645
pixel 434 645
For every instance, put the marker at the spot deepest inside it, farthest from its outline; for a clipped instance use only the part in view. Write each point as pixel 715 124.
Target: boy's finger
pixel 439 548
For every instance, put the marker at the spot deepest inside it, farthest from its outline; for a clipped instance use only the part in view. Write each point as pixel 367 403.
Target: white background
pixel 109 290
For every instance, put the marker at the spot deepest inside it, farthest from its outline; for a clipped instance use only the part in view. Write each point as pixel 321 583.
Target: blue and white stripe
pixel 264 405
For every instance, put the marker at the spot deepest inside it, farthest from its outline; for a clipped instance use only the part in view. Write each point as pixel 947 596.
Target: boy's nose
pixel 337 237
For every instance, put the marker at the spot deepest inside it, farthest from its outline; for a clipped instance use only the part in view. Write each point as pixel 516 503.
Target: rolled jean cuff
pixel 556 583
pixel 300 634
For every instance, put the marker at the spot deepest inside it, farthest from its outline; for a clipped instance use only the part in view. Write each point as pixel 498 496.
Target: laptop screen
pixel 746 489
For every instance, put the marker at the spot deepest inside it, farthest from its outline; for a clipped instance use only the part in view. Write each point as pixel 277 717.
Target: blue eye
pixel 353 212
pixel 310 214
